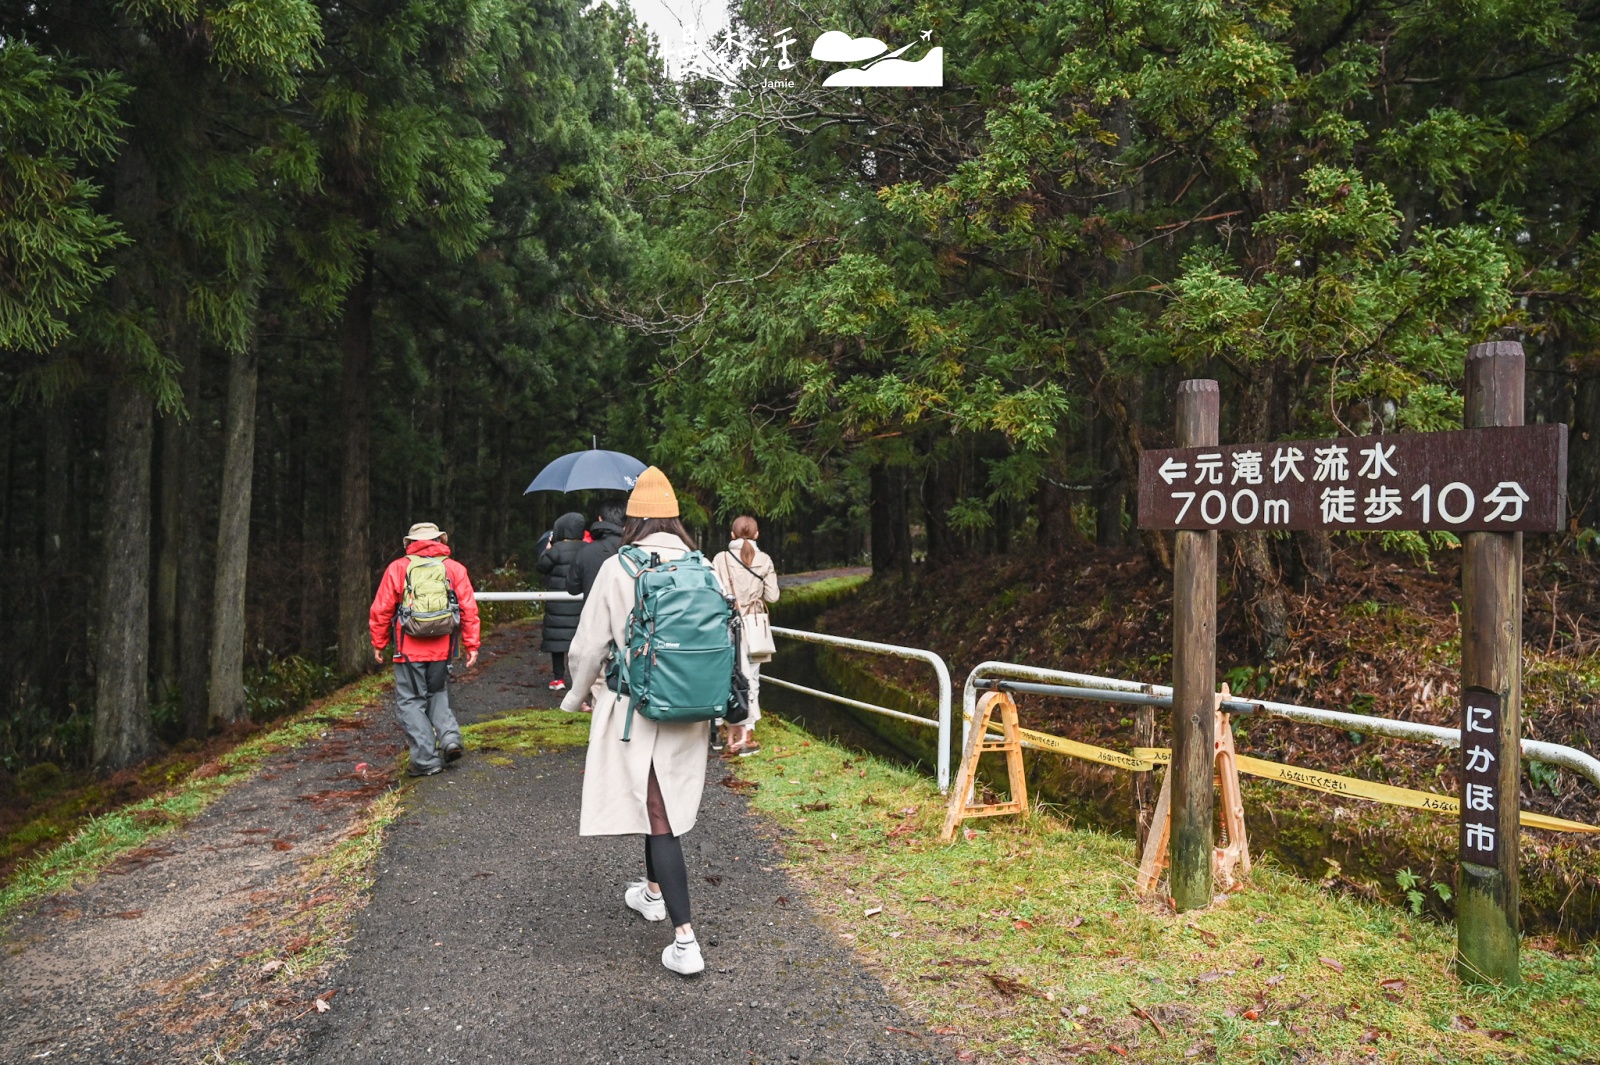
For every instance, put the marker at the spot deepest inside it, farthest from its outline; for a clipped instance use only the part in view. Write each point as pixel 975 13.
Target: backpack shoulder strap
pixel 635 555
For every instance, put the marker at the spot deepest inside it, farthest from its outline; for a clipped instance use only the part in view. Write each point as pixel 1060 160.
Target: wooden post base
pixel 1230 862
pixel 978 745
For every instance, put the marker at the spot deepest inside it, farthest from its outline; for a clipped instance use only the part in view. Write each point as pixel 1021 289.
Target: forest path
pixel 496 933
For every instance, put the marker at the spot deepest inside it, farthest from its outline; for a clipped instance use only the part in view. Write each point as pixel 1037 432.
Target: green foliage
pixel 1322 205
pixel 285 685
pixel 54 118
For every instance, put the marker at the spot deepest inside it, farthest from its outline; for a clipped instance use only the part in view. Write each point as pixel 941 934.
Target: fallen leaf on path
pixel 1119 1050
pixel 816 807
pixel 1462 1023
pixel 1209 977
pixel 1500 1035
pixel 1330 963
pixel 1368 1036
pixel 904 1031
pixel 969 833
pixel 713 879
pixel 873 912
pixel 282 845
pixel 322 1005
pixel 1274 981
pixel 1022 924
pixel 945 1029
pixel 966 1055
pixel 783 900
pixel 271 966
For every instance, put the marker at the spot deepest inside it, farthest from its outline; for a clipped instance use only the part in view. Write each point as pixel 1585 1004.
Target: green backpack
pixel 428 607
pixel 680 658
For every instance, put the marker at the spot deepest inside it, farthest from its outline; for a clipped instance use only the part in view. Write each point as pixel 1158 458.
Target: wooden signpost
pixel 1489 482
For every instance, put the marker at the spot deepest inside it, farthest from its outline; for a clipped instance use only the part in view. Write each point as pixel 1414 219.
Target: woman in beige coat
pixel 651 785
pixel 750 576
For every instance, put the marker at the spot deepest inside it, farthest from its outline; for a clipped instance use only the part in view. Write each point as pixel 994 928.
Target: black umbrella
pixel 592 469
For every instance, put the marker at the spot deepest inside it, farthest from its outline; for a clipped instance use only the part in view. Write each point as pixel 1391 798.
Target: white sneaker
pixel 684 958
pixel 650 909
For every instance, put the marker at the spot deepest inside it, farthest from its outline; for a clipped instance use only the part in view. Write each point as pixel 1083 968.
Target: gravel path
pixel 496 933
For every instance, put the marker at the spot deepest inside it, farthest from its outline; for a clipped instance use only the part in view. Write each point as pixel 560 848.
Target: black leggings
pixel 663 856
pixel 663 864
pixel 558 664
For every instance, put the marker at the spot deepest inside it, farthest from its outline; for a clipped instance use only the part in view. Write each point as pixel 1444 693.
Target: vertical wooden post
pixel 1194 668
pixel 1488 897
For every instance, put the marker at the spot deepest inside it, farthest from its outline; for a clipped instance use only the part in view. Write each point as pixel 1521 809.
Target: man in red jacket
pixel 422 663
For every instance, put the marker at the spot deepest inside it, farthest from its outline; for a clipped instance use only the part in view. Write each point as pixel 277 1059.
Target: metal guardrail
pixel 523 597
pixel 941 672
pixel 1111 689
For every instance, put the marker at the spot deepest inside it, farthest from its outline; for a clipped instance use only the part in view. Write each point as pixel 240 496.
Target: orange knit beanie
pixel 653 496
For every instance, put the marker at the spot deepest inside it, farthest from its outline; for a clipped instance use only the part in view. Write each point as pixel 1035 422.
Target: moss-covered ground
pixel 525 732
pixel 1024 940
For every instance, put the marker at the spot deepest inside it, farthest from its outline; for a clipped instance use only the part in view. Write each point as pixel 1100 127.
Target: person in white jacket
pixel 750 577
pixel 651 785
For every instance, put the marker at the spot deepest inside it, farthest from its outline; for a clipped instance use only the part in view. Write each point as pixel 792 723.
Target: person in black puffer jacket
pixel 607 540
pixel 560 616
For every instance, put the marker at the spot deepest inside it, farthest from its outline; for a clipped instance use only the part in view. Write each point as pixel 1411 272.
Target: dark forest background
pixel 280 277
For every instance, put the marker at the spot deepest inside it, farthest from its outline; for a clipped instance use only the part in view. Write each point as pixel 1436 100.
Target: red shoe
pixel 557 685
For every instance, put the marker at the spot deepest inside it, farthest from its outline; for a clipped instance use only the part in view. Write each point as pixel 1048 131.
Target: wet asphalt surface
pixel 496 934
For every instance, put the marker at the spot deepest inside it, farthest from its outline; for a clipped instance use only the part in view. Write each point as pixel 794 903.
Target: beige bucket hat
pixel 424 530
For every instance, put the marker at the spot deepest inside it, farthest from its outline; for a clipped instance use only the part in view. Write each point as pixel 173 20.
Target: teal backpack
pixel 680 660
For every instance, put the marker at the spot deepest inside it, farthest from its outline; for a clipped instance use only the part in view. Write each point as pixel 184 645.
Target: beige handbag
pixel 758 641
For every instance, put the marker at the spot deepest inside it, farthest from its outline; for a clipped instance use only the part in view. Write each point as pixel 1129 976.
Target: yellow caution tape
pixel 1356 788
pixel 1144 758
pixel 1087 751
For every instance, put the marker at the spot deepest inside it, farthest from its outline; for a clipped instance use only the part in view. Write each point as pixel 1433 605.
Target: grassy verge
pixel 1024 940
pixel 102 839
pixel 827 588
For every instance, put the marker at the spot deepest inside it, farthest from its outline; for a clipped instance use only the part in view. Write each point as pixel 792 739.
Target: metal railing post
pixel 940 670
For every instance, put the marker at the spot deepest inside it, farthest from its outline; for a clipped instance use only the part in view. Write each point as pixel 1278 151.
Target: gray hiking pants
pixel 422 704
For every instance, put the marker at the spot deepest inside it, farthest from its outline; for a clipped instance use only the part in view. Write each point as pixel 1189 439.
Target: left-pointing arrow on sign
pixel 1173 470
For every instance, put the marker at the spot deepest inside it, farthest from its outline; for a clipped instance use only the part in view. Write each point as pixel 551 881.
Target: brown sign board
pixel 1480 777
pixel 1511 479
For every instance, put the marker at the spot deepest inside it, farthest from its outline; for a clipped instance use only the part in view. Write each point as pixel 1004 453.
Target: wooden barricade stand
pixel 978 745
pixel 1231 861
